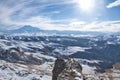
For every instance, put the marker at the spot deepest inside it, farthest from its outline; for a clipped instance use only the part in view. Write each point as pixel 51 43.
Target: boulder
pixel 67 69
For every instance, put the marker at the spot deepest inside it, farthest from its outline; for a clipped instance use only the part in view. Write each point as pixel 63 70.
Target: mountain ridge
pixel 30 29
pixel 24 29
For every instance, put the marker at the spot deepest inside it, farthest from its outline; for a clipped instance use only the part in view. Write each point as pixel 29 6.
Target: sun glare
pixel 86 5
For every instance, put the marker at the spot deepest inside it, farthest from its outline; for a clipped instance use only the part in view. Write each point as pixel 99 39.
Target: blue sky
pixel 83 15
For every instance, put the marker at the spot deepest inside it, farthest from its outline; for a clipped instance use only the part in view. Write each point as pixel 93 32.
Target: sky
pixel 80 15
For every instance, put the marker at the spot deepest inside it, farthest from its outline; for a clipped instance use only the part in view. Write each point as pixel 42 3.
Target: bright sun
pixel 86 4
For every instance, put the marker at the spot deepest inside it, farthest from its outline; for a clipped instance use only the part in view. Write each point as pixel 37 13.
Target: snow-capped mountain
pixel 24 29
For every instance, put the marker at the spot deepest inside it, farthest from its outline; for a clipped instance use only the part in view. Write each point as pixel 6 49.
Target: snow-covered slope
pixel 16 71
pixel 32 57
pixel 18 61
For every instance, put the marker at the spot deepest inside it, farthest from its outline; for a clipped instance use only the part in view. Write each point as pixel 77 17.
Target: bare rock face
pixel 58 68
pixel 67 69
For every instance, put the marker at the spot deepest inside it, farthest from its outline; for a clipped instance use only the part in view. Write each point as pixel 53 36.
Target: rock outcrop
pixel 67 69
pixel 14 55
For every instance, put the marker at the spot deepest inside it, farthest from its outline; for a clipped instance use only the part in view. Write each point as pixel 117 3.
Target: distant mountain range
pixel 24 29
pixel 31 29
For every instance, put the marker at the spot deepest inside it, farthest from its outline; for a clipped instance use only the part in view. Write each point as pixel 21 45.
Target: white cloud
pixel 77 23
pixel 110 26
pixel 15 14
pixel 114 4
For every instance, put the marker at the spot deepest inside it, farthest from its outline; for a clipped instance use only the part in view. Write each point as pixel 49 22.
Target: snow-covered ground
pixel 41 50
pixel 16 71
pixel 70 50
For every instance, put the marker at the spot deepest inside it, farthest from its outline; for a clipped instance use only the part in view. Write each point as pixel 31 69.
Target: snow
pixel 108 42
pixel 70 50
pixel 21 71
pixel 77 78
pixel 17 71
pixel 88 70
pixel 45 77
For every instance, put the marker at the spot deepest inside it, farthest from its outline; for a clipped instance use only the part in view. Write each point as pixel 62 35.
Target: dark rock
pixel 22 74
pixel 66 69
pixel 58 68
